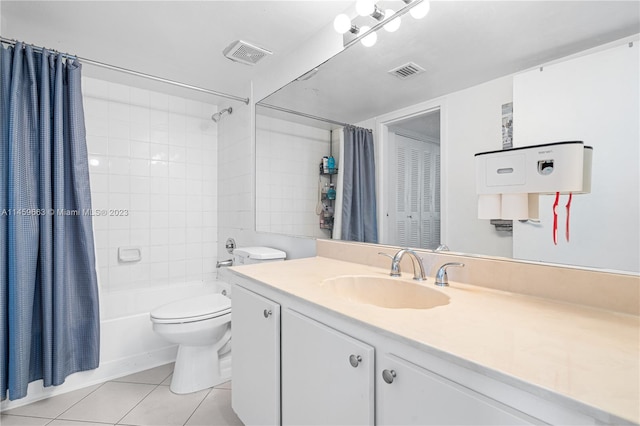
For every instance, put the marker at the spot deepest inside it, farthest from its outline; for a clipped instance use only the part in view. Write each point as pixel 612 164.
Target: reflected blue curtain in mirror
pixel 359 215
pixel 49 320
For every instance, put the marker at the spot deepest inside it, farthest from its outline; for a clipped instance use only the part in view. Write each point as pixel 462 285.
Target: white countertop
pixel 586 354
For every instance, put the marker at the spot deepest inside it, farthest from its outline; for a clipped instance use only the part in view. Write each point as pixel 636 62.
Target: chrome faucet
pixel 221 263
pixel 441 276
pixel 418 267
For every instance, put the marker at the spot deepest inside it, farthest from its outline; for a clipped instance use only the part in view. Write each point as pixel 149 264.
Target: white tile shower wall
pixel 287 186
pixel 236 193
pixel 235 180
pixel 153 168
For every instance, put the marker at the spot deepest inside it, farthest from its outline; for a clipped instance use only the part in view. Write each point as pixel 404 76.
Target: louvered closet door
pixel 417 213
pixel 408 193
pixel 430 214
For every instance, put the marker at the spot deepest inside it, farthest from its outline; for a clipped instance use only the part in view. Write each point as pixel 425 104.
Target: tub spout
pixel 221 263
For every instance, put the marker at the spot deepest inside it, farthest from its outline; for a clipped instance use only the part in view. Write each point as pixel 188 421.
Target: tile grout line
pixel 76 403
pixel 51 419
pixel 196 409
pixel 140 402
pixel 24 415
pixel 81 422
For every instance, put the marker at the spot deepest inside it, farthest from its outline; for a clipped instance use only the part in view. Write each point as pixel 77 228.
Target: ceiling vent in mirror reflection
pixel 246 53
pixel 407 70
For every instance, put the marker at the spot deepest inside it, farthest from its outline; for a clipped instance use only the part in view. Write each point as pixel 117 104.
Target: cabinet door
pixel 416 396
pixel 255 358
pixel 327 376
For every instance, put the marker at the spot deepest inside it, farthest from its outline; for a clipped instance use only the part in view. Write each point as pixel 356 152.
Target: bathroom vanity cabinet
pixel 331 368
pixel 327 376
pixel 412 395
pixel 256 358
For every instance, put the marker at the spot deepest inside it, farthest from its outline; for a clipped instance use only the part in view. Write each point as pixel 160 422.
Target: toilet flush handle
pixel 267 313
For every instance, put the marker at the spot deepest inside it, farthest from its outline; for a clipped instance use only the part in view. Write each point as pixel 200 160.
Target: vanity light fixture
pixel 394 23
pixel 388 19
pixel 342 24
pixel 369 40
pixel 365 7
pixel 421 10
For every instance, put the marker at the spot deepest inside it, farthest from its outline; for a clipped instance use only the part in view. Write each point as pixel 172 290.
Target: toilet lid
pixel 193 309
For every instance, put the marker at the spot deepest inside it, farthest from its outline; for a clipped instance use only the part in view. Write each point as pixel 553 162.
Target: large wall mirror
pixel 428 126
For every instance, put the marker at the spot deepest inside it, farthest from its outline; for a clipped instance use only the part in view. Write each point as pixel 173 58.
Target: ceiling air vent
pixel 407 70
pixel 246 53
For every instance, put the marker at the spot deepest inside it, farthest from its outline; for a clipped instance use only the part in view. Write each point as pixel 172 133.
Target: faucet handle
pixel 395 264
pixel 441 276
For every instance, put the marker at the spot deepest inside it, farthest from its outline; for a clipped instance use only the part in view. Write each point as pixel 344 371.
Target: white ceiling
pixel 460 43
pixel 179 40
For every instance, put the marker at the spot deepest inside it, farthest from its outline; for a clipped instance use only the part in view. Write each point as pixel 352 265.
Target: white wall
pixel 236 190
pixel 287 185
pixel 471 122
pixel 236 138
pixel 153 157
pixel 594 99
pixel 235 178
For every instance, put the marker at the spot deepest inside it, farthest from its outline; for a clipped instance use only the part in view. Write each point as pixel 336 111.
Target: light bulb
pixel 394 23
pixel 342 23
pixel 421 10
pixel 369 40
pixel 365 7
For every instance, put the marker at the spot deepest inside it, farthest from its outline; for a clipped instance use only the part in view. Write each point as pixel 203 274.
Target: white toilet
pixel 201 326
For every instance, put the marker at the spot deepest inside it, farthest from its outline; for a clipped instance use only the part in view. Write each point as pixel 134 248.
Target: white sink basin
pixel 385 292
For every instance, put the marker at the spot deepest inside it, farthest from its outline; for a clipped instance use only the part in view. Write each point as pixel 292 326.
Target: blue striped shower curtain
pixel 359 212
pixel 49 320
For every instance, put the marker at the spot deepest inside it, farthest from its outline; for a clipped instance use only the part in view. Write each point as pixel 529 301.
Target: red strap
pixel 555 219
pixel 568 206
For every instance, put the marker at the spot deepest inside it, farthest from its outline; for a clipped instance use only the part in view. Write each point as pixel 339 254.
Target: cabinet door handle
pixel 267 313
pixel 388 375
pixel 355 360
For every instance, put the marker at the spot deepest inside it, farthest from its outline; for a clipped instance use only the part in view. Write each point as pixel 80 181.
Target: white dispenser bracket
pixel 509 181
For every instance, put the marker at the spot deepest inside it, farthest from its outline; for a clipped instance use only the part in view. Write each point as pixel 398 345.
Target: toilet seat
pixel 192 309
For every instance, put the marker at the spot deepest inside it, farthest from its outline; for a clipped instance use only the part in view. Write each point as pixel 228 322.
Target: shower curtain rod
pixel 302 114
pixel 132 72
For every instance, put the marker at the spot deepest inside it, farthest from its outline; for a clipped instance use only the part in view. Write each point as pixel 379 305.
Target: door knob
pixel 267 313
pixel 388 375
pixel 355 360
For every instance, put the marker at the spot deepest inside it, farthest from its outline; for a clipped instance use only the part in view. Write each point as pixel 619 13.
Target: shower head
pixel 216 117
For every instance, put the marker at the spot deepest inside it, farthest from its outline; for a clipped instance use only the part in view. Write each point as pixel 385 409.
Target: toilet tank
pixel 249 255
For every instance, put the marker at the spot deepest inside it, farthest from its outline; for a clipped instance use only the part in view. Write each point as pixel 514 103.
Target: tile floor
pixel 141 399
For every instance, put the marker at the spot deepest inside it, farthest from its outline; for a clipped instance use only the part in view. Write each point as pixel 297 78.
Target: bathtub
pixel 127 342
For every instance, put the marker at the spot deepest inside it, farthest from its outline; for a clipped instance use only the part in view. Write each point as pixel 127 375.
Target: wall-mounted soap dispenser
pixel 509 182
